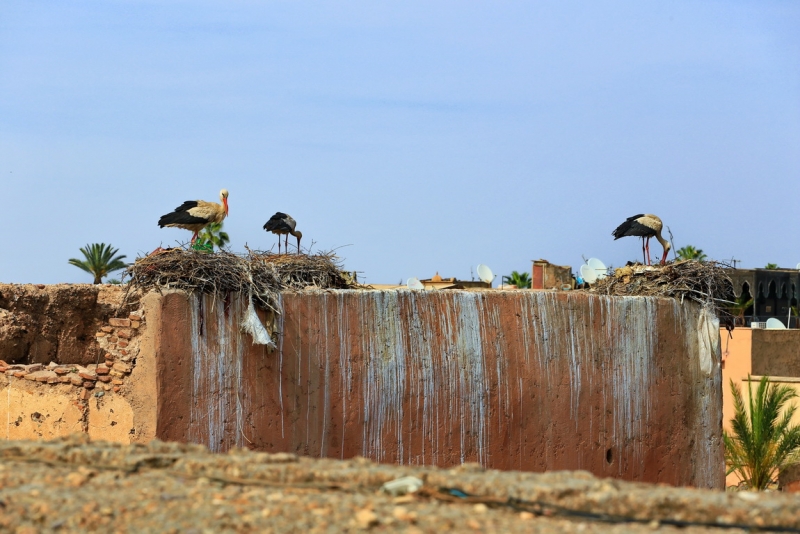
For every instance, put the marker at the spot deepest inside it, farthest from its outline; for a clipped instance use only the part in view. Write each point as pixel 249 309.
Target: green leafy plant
pixel 739 306
pixel 521 280
pixel 771 266
pixel 690 253
pixel 100 260
pixel 211 236
pixel 763 440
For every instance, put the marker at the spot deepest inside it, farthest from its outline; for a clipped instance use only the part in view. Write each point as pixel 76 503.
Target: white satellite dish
pixel 588 274
pixel 485 273
pixel 775 324
pixel 599 267
pixel 797 266
pixel 414 283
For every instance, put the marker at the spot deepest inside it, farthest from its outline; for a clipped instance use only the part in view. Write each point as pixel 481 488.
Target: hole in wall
pixel 609 456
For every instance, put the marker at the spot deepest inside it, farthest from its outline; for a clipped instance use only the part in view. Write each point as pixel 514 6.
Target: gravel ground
pixel 72 485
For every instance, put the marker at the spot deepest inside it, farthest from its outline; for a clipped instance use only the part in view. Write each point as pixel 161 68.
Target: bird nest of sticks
pixel 261 274
pixel 704 282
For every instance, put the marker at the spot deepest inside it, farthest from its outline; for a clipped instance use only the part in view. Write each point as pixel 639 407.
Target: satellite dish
pixel 414 283
pixel 485 274
pixel 775 324
pixel 599 267
pixel 588 274
pixel 797 266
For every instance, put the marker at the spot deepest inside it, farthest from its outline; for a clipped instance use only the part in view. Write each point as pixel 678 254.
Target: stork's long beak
pixel 664 258
pixel 225 202
pixel 298 245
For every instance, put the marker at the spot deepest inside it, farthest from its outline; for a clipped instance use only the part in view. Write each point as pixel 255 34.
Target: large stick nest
pixel 704 282
pixel 261 273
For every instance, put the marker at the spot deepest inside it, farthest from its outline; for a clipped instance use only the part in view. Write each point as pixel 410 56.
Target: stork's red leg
pixel 649 261
pixel 644 256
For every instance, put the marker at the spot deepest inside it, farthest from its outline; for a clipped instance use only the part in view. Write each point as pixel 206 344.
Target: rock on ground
pixel 73 485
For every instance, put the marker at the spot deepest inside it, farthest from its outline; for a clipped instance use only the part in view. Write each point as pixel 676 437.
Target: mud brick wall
pixel 528 380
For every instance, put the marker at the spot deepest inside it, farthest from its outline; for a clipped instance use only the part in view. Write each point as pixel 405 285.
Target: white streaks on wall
pixel 219 405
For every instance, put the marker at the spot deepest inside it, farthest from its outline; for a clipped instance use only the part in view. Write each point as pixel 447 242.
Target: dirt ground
pixel 73 485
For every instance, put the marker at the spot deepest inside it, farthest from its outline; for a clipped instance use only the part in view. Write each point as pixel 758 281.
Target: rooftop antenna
pixel 414 283
pixel 485 274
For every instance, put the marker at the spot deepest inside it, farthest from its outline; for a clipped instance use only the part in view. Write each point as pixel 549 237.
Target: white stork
pixel 283 224
pixel 194 215
pixel 644 226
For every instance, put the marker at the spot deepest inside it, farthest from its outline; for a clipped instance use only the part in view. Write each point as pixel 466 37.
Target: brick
pixel 75 380
pixel 85 394
pixel 125 323
pixel 135 317
pixel 107 329
pixel 61 370
pixel 88 384
pixel 100 334
pixel 104 378
pixel 123 352
pixel 102 370
pixel 64 379
pixel 122 344
pixel 32 368
pixel 116 389
pixel 29 376
pixel 41 376
pixel 114 372
pixel 106 387
pixel 19 374
pixel 124 333
pixel 117 382
pixel 135 324
pixel 88 376
pixel 54 380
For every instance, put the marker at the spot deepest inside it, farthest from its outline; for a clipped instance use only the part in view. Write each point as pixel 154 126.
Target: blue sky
pixel 417 136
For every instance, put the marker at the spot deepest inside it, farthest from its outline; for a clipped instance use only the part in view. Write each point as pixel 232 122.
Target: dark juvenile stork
pixel 283 224
pixel 194 215
pixel 644 226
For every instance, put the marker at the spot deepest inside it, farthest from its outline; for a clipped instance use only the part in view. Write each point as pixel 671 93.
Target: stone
pixel 135 317
pixel 100 334
pixel 113 339
pixel 64 379
pixel 75 380
pixel 19 374
pixel 116 389
pixel 102 378
pixel 124 334
pixel 85 394
pixel 122 367
pixel 123 352
pixel 106 387
pixel 122 344
pixel 119 322
pixel 135 324
pixel 41 376
pixel 107 329
pixel 61 370
pixel 88 384
pixel 119 374
pixel 40 286
pixel 32 368
pixel 366 518
pixel 117 381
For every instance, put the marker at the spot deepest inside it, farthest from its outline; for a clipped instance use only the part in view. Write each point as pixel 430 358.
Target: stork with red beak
pixel 194 215
pixel 644 226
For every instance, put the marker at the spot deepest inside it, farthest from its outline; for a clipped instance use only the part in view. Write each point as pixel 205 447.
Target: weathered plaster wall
pixel 514 380
pixel 776 352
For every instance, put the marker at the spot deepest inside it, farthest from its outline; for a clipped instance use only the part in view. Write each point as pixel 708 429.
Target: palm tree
pixel 739 306
pixel 211 236
pixel 100 260
pixel 690 253
pixel 762 441
pixel 521 280
pixel 771 266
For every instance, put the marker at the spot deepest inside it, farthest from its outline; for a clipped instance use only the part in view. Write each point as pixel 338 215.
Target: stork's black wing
pixel 631 227
pixel 181 215
pixel 278 223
